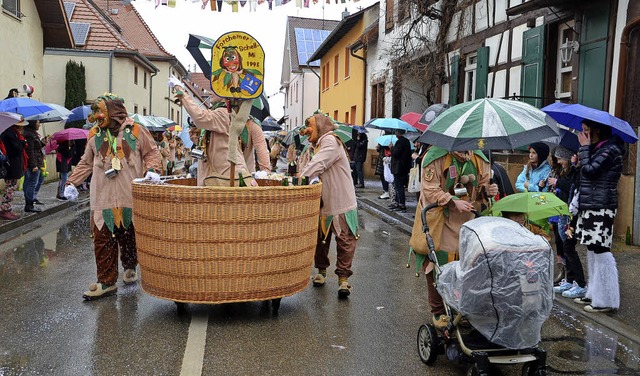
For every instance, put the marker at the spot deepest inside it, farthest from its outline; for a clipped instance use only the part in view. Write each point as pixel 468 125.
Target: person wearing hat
pixel 13 146
pixel 117 152
pixel 574 285
pixel 533 177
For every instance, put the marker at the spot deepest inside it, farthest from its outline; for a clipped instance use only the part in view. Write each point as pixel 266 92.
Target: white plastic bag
pixel 388 176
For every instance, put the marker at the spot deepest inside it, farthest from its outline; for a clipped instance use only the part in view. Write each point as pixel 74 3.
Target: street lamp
pixel 567 49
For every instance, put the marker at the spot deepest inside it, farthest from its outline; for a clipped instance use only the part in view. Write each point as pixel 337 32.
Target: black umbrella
pixel 270 124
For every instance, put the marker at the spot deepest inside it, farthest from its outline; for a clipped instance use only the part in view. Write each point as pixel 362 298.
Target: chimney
pixel 345 14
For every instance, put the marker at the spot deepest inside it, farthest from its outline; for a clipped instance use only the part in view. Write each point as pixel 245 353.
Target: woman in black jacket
pixel 360 155
pixel 600 158
pixel 14 145
pixel 33 177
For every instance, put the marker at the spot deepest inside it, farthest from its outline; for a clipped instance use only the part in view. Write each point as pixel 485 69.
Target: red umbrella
pixel 413 119
pixel 70 134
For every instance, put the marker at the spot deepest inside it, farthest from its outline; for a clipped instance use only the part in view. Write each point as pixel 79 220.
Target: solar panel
pixel 80 30
pixel 68 8
pixel 307 42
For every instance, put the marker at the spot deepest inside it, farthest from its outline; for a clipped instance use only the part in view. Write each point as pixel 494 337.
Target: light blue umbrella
pixel 390 124
pixel 389 138
pixel 24 106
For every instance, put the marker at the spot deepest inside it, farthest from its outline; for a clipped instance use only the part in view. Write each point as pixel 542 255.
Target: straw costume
pixel 116 143
pixel 338 212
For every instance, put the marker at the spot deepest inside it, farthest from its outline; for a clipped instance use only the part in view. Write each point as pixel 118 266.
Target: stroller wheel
pixel 475 371
pixel 428 343
pixel 530 369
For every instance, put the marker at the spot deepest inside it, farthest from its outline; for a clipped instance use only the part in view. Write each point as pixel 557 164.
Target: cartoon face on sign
pixel 237 66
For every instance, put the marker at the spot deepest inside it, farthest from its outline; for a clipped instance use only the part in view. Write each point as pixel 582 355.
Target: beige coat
pixel 331 164
pixel 433 190
pixel 116 192
pixel 217 121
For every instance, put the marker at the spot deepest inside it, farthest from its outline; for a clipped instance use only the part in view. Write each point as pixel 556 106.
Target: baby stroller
pixel 502 286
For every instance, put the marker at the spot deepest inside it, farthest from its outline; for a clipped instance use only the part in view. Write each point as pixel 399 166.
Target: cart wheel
pixel 181 308
pixel 428 343
pixel 275 306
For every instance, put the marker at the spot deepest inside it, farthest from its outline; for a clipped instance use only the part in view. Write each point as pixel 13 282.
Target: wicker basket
pixel 224 244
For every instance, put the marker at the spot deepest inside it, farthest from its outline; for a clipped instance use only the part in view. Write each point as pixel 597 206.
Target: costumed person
pixel 274 153
pixel 338 212
pixel 292 160
pixel 458 182
pixel 214 140
pixel 600 157
pixel 254 147
pixel 163 149
pixel 171 157
pixel 117 151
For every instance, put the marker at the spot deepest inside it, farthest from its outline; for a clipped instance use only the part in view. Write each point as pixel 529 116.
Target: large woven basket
pixel 224 244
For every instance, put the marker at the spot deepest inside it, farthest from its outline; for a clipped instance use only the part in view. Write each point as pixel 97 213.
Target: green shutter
pixel 593 56
pixel 532 65
pixel 482 72
pixel 453 81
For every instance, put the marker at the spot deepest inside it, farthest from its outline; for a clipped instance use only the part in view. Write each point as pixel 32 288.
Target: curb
pixel 406 225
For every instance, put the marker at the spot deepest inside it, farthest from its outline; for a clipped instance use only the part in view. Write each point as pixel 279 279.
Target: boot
pixel 603 283
pixel 8 215
pixel 29 208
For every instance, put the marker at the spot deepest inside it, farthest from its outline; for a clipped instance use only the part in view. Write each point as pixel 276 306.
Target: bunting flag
pixel 216 5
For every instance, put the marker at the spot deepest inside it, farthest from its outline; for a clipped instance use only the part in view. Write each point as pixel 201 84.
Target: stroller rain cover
pixel 503 283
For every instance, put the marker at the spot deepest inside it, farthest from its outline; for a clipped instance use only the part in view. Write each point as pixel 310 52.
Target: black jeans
pixel 399 182
pixel 573 263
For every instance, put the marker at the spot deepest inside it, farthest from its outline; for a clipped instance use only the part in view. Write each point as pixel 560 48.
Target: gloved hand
pixel 70 192
pixel 152 176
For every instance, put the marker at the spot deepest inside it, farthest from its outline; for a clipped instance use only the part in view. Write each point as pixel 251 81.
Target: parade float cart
pixel 199 244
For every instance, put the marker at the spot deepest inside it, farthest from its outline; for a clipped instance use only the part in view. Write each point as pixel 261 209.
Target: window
pixel 377 100
pixel 352 119
pixel 135 108
pixel 144 111
pixel 335 114
pixel 336 63
pixel 564 71
pixel 173 115
pixel 296 91
pixel 144 81
pixel 347 57
pixel 135 74
pixel 346 117
pixel 470 78
pixel 12 7
pixel 388 16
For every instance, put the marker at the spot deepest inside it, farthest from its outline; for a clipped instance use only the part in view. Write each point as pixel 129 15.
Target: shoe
pixel 400 208
pixel 9 216
pixel 393 206
pixel 440 321
pixel 575 292
pixel 37 202
pixel 592 309
pixel 62 198
pixel 99 290
pixel 32 209
pixel 320 279
pixel 563 286
pixel 360 186
pixel 344 290
pixel 582 300
pixel 384 196
pixel 130 276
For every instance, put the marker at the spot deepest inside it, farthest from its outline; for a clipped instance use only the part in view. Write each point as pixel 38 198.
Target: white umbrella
pixel 7 119
pixel 58 113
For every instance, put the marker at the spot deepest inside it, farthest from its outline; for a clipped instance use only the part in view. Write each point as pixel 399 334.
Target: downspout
pixel 352 51
pixel 319 78
pixel 622 69
pixel 111 72
pixel 155 73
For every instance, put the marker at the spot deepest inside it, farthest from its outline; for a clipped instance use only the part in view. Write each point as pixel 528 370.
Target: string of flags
pixel 216 5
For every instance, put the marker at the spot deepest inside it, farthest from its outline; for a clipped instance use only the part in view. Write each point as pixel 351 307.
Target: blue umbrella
pixel 572 115
pixel 389 138
pixel 360 129
pixel 79 113
pixel 390 124
pixel 566 137
pixel 24 106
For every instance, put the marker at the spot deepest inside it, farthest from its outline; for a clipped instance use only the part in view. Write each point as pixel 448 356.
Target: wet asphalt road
pixel 47 329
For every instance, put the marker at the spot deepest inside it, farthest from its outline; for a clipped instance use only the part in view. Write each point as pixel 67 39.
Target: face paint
pixel 99 115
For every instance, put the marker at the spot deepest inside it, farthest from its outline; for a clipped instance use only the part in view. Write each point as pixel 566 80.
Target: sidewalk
pixel 624 321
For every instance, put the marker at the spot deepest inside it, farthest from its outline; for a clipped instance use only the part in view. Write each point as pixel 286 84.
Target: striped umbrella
pixel 489 124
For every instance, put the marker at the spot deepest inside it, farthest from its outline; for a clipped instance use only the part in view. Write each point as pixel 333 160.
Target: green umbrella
pixel 536 205
pixel 344 132
pixel 489 124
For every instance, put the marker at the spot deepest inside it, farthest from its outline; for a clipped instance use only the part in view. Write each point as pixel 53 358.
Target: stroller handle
pixel 423 215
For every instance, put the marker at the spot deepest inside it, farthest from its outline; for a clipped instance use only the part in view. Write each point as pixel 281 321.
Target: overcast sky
pixel 172 27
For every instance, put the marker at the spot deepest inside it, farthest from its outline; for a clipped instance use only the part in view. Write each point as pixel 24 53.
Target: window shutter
pixel 593 56
pixel 532 65
pixel 482 72
pixel 453 80
pixel 388 18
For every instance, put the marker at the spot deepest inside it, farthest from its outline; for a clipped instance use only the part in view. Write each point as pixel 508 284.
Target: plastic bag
pixel 414 180
pixel 388 176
